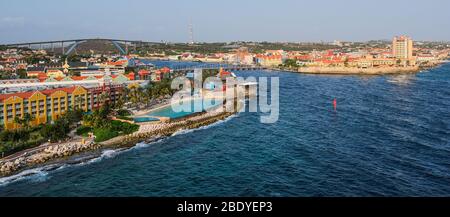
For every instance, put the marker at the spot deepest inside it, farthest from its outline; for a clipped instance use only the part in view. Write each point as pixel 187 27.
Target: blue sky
pixel 224 20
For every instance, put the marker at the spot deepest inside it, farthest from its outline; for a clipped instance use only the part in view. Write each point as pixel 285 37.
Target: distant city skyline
pixel 224 21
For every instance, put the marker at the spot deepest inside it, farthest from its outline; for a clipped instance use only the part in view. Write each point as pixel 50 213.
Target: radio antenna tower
pixel 191 32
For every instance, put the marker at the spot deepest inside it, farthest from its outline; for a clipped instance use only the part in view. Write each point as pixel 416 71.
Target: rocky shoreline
pixel 10 167
pixel 358 71
pixel 151 131
pixel 147 132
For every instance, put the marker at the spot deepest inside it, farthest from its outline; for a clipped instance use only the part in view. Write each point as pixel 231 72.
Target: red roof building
pixel 143 74
pixel 165 70
pixel 131 76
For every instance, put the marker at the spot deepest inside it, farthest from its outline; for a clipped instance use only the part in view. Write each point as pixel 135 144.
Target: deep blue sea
pixel 390 136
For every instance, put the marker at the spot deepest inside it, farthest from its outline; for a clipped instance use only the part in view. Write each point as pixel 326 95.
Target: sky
pixel 224 20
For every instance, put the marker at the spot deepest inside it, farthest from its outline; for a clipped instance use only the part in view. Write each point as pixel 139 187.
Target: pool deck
pixel 207 95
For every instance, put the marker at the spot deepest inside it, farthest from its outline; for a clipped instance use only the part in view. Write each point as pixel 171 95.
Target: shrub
pixel 123 112
pixel 103 134
pixel 123 127
pixel 83 130
pixel 125 118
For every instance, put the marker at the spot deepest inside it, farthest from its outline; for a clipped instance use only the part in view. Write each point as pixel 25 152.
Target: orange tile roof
pixel 118 63
pixel 165 70
pixel 42 75
pixel 21 95
pixel 78 78
pixel 143 72
pixel 26 95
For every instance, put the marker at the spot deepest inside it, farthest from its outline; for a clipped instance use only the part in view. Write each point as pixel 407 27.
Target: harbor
pixel 309 159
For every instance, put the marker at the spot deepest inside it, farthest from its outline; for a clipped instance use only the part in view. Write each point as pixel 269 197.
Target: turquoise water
pixel 193 106
pixel 145 119
pixel 390 136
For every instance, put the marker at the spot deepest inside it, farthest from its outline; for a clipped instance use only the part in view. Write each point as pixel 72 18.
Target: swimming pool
pixel 145 119
pixel 196 105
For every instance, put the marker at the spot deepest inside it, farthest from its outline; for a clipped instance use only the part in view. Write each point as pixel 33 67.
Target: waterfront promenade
pixel 147 131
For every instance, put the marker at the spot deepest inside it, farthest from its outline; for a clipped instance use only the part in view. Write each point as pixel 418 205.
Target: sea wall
pixel 358 71
pixel 49 153
pixel 146 132
pixel 151 131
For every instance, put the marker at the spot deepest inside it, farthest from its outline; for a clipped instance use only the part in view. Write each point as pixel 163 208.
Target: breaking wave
pixel 184 131
pixel 41 174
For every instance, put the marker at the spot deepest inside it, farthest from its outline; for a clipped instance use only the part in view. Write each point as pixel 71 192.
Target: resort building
pixel 48 105
pixel 105 94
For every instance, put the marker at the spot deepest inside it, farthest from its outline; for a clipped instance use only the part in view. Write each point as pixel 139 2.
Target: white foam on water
pixel 41 174
pixel 141 145
pixel 106 154
pixel 184 131
pixel 35 175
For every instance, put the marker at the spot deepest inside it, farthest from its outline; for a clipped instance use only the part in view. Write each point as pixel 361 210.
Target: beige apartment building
pixel 402 50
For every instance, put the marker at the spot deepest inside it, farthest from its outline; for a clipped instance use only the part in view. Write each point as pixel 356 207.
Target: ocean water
pixel 390 136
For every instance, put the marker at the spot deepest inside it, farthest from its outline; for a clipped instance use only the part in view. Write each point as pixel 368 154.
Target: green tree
pixel 291 63
pixel 26 120
pixel 22 73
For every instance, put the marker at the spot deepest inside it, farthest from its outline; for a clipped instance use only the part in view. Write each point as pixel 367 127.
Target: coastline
pixel 359 71
pixel 147 132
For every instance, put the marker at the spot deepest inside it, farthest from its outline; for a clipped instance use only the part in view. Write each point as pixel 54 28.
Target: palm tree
pixel 102 98
pixel 18 121
pixel 27 118
pixel 134 95
pixel 119 102
pixel 145 97
pixel 24 121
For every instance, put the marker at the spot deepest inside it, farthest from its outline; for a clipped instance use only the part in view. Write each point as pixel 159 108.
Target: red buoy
pixel 335 104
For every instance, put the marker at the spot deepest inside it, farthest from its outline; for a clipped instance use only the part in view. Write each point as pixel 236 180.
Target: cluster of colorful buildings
pixel 401 53
pixel 51 89
pixel 154 75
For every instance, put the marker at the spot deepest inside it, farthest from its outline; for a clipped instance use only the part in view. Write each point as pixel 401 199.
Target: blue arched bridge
pixel 68 46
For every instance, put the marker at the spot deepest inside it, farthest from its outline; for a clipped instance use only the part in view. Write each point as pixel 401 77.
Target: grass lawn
pixel 116 128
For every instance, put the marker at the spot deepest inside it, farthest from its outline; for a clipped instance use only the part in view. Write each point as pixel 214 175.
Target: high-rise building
pixel 402 48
